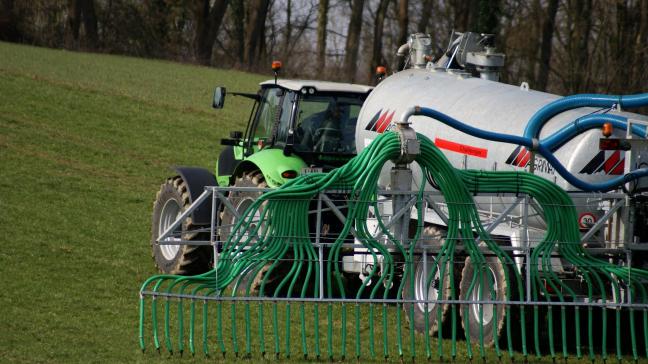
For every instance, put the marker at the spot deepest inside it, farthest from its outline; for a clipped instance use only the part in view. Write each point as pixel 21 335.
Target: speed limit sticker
pixel 586 220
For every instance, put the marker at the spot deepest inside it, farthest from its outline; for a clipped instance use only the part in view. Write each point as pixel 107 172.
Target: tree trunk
pixel 208 22
pixel 403 21
pixel 353 40
pixel 426 13
pixel 582 28
pixel 90 23
pixel 546 46
pixel 74 22
pixel 82 11
pixel 288 31
pixel 8 22
pixel 376 55
pixel 322 18
pixel 238 38
pixel 461 14
pixel 488 18
pixel 254 32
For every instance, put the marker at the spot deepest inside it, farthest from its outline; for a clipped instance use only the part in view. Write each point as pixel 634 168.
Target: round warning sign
pixel 586 220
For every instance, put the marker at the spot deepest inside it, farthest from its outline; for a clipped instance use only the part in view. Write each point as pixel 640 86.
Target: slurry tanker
pixel 514 216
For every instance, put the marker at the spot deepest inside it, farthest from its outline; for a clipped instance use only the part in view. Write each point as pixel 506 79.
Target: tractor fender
pixel 272 163
pixel 197 179
pixel 226 165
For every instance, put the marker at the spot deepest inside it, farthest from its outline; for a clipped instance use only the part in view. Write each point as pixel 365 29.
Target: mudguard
pixel 227 163
pixel 197 179
pixel 272 163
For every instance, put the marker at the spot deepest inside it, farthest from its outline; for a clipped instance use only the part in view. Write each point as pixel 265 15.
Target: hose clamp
pixel 535 144
pixel 410 145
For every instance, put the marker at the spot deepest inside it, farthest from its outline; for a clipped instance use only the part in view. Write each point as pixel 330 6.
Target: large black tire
pixel 241 200
pixel 170 202
pixel 470 316
pixel 432 238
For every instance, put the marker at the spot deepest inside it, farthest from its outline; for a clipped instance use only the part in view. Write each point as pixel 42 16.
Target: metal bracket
pixel 410 145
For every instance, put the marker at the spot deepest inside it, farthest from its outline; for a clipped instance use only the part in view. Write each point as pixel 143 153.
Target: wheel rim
pixel 240 208
pixel 170 212
pixel 422 291
pixel 487 308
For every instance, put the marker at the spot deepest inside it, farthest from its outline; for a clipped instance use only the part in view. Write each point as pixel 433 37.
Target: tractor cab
pixel 310 122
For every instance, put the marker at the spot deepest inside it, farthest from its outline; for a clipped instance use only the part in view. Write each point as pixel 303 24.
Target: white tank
pixel 491 106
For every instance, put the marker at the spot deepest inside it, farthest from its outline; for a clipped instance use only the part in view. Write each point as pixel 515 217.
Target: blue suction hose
pixel 587 122
pixel 531 144
pixel 538 120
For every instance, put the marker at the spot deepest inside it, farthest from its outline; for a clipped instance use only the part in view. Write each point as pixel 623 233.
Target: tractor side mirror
pixel 219 98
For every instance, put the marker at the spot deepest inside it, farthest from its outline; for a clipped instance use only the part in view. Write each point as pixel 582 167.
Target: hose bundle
pixel 273 243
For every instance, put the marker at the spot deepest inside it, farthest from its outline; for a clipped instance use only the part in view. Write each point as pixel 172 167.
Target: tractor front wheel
pixel 171 200
pixel 241 201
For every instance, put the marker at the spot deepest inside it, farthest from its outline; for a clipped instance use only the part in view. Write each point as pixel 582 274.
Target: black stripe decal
pixel 593 165
pixel 372 123
pixel 513 155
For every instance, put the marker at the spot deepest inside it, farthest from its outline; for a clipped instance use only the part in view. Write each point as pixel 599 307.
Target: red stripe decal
pixel 461 148
pixel 380 120
pixel 525 160
pixel 611 162
pixel 519 157
pixel 381 128
pixel 618 170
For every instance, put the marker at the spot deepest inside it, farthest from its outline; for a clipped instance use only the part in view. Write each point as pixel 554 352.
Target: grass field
pixel 85 141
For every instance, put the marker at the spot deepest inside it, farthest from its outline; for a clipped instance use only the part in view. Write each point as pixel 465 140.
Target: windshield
pixel 326 123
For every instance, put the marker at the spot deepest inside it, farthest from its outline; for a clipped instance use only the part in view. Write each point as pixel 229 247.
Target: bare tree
pixel 255 32
pixel 377 58
pixel 208 22
pixel 83 11
pixel 322 19
pixel 461 11
pixel 8 22
pixel 578 42
pixel 403 21
pixel 546 45
pixel 288 29
pixel 426 14
pixel 353 39
pixel 488 17
pixel 238 37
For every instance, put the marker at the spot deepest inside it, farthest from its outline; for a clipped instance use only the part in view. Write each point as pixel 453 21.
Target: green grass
pixel 85 141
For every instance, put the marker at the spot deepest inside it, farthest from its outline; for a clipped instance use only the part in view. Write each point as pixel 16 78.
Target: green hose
pixel 278 251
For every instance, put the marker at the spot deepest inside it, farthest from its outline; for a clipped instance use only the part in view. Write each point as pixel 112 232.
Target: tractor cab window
pixel 269 106
pixel 326 123
pixel 281 135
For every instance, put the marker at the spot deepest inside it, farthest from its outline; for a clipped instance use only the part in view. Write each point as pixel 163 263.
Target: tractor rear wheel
pixel 474 316
pixel 171 200
pixel 421 290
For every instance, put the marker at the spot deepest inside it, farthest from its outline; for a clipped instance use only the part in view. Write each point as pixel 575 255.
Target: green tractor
pixel 295 127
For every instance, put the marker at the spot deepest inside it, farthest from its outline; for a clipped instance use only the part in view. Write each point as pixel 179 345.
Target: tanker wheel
pixel 171 200
pixel 431 237
pixel 471 317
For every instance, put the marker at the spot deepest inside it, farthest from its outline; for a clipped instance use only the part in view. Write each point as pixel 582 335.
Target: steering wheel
pixel 325 136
